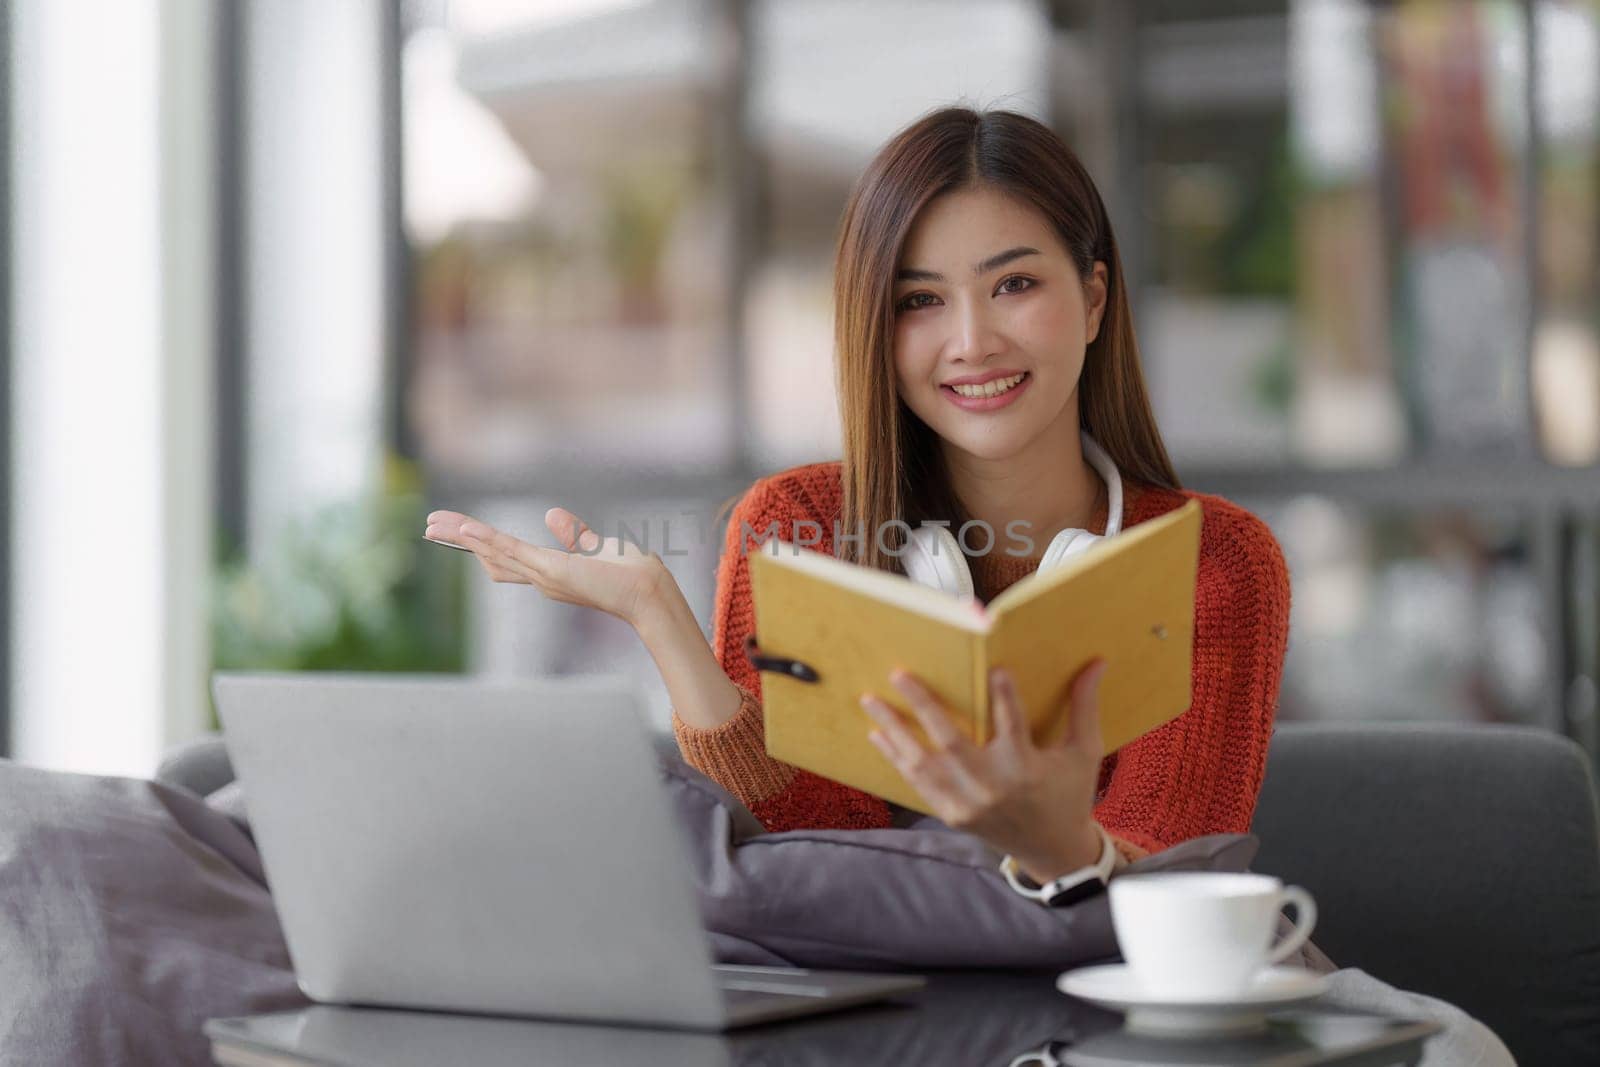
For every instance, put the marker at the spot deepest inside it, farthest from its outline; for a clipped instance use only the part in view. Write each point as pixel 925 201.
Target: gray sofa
pixel 1458 861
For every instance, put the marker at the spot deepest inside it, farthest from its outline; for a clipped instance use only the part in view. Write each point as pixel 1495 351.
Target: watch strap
pixel 1070 887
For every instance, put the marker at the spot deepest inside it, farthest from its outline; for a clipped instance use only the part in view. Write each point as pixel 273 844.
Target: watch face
pixel 1081 891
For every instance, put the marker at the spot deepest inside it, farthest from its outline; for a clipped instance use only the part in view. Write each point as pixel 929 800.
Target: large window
pixel 622 221
pixel 7 94
pixel 623 218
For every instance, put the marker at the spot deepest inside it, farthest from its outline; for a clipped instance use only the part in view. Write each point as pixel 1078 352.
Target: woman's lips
pixel 987 403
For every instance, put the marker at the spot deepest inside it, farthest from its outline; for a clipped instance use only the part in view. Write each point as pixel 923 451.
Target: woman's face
pixel 985 293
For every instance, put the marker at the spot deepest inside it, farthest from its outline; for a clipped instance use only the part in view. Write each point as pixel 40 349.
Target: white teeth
pixel 990 388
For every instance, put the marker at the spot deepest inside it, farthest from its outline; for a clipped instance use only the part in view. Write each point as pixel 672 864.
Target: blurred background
pixel 278 277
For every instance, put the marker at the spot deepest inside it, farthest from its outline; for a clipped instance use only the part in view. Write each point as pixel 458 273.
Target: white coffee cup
pixel 1204 935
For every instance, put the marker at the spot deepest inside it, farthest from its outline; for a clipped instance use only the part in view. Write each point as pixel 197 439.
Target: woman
pixel 137 911
pixel 984 345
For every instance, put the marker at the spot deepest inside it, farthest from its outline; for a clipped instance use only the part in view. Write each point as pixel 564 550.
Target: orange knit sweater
pixel 1199 774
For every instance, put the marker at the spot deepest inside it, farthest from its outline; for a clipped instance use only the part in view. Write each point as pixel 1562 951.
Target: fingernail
pixel 589 540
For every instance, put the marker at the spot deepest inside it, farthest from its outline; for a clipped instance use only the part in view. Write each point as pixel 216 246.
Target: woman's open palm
pixel 613 575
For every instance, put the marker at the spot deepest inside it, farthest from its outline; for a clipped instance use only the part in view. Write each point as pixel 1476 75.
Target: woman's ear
pixel 1094 295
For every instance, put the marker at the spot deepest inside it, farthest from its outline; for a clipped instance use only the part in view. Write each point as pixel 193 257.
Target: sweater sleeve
pixel 734 754
pixel 1201 773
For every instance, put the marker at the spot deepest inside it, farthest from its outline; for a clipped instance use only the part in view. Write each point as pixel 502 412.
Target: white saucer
pixel 1112 986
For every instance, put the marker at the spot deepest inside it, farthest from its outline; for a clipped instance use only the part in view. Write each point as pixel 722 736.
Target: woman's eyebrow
pixel 994 262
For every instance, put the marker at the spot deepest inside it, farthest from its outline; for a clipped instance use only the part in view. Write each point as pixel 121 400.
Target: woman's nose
pixel 972 332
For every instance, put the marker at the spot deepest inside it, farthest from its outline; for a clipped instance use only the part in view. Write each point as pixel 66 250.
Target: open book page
pixel 1130 599
pixel 1039 583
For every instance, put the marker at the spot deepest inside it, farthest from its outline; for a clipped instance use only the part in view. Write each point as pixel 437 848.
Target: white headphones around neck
pixel 932 557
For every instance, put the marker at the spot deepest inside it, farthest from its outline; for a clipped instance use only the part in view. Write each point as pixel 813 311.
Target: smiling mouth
pixel 996 387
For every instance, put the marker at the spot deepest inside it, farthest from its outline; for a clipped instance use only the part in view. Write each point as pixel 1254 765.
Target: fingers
pixel 575 534
pixel 946 773
pixel 565 525
pixel 1005 705
pixel 929 712
pixel 534 560
pixel 940 777
pixel 509 548
pixel 445 526
pixel 891 737
pixel 899 742
pixel 1085 712
pixel 452 527
pixel 500 553
pixel 507 558
pixel 456 527
pixel 495 563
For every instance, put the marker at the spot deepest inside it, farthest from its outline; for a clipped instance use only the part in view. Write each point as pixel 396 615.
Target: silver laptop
pixel 504 848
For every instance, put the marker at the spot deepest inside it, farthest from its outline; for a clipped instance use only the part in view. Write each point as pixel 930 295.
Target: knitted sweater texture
pixel 1199 774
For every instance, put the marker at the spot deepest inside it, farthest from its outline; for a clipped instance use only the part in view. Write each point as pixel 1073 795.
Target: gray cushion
pixel 924 897
pixel 131 914
pixel 1457 861
pixel 200 765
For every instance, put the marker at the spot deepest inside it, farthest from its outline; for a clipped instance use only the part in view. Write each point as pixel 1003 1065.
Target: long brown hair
pixel 893 468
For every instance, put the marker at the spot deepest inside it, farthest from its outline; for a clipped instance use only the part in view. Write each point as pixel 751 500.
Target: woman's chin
pixel 990 447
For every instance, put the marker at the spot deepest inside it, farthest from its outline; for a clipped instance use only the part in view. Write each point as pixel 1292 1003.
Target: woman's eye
pixel 922 300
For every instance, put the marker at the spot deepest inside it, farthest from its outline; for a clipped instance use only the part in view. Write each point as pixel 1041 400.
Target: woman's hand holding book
pixel 1034 802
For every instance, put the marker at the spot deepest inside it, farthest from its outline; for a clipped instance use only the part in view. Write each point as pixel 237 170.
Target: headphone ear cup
pixel 932 558
pixel 1066 544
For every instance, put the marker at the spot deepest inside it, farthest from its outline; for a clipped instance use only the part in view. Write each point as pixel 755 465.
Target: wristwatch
pixel 1071 887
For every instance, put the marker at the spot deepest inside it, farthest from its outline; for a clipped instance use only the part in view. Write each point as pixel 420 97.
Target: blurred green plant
pixel 641 202
pixel 1272 381
pixel 1256 253
pixel 352 587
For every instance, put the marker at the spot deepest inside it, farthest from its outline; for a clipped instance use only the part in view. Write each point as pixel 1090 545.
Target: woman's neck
pixel 1050 487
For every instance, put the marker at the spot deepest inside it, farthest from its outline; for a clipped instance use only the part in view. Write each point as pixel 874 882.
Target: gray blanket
pixel 130 912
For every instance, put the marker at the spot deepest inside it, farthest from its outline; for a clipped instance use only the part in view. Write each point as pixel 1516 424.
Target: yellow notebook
pixel 828 631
